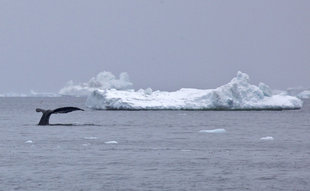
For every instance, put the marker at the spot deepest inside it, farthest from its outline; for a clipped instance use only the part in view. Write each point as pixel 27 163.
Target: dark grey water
pixel 155 150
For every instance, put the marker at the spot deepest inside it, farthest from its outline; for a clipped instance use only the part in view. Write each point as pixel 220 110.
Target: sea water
pixel 152 150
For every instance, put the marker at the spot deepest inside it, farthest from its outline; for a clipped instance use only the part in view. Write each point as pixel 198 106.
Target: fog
pixel 162 44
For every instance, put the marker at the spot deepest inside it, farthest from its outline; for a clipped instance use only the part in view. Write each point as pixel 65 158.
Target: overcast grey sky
pixel 162 44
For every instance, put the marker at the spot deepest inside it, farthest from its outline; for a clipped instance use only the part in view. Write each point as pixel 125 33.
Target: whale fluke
pixel 47 113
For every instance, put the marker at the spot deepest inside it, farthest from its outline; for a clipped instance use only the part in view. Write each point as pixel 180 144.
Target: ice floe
pixel 90 138
pixel 86 144
pixel 185 150
pixel 111 142
pixel 213 131
pixel 238 94
pixel 268 138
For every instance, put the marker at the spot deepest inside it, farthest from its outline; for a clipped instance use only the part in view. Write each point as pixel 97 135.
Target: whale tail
pixel 40 110
pixel 66 109
pixel 47 113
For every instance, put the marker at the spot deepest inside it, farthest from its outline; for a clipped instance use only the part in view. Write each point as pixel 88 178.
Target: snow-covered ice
pixel 213 131
pixel 268 138
pixel 29 141
pixel 238 94
pixel 103 80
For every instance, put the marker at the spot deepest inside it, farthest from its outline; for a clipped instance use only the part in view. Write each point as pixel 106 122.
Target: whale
pixel 46 114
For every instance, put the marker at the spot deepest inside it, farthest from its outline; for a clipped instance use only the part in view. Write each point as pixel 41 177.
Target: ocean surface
pixel 151 150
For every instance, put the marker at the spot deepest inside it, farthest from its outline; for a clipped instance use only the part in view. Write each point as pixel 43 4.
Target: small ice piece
pixel 213 131
pixel 268 138
pixel 29 141
pixel 86 144
pixel 186 150
pixel 111 142
pixel 90 138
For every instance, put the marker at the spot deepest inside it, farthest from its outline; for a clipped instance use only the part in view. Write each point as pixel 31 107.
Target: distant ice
pixel 185 150
pixel 90 138
pixel 29 141
pixel 103 80
pixel 238 94
pixel 268 138
pixel 213 131
pixel 304 94
pixel 111 142
pixel 30 94
pixel 42 94
pixel 86 144
pixel 300 92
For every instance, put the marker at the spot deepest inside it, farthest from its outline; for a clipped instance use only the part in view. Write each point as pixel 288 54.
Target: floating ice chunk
pixel 238 94
pixel 186 150
pixel 103 80
pixel 213 131
pixel 91 138
pixel 86 144
pixel 29 141
pixel 111 142
pixel 268 138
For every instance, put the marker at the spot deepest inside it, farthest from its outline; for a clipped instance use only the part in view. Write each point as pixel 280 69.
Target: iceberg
pixel 103 80
pixel 238 94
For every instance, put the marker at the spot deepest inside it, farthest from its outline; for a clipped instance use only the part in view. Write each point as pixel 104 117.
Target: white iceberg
pixel 103 80
pixel 213 131
pixel 238 94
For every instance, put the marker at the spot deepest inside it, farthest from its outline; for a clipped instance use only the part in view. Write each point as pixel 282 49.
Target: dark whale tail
pixel 47 113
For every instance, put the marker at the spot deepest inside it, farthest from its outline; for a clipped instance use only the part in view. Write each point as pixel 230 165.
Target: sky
pixel 162 44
